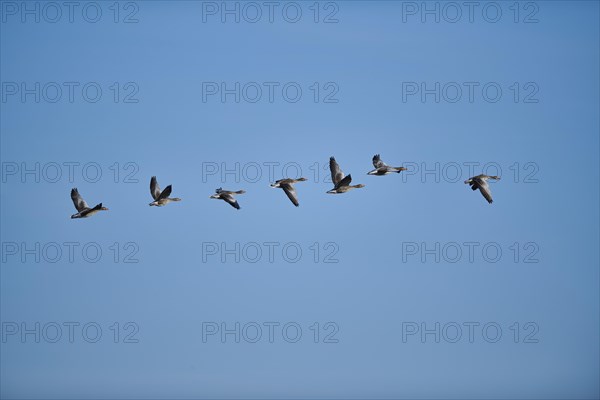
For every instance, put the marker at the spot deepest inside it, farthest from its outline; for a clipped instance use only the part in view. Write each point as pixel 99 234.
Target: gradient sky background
pixel 370 292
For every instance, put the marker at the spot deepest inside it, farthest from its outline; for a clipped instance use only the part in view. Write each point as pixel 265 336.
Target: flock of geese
pixel 341 184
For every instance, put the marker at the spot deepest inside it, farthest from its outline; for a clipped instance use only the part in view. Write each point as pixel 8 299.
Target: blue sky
pixel 376 288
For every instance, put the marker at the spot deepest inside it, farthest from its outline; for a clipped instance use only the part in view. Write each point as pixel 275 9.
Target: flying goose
pixel 227 196
pixel 341 183
pixel 160 198
pixel 382 168
pixel 83 210
pixel 480 182
pixel 288 187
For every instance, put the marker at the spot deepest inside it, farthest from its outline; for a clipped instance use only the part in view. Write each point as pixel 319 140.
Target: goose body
pixel 227 196
pixel 341 183
pixel 83 210
pixel 480 182
pixel 382 168
pixel 288 187
pixel 161 198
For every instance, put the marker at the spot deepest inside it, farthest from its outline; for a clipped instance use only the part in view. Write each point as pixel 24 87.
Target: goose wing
pixel 154 188
pixel 291 193
pixel 484 188
pixel 345 182
pixel 336 173
pixel 231 200
pixel 78 201
pixel 165 193
pixel 377 163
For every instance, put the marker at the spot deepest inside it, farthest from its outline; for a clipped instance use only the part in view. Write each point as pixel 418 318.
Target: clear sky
pixel 369 67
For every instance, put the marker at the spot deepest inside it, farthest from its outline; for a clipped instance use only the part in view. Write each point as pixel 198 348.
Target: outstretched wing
pixel 377 163
pixel 345 182
pixel 291 193
pixel 165 193
pixel 484 188
pixel 154 188
pixel 78 201
pixel 231 200
pixel 336 173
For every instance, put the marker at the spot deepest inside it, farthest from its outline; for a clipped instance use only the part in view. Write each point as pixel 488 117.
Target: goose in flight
pixel 161 198
pixel 480 182
pixel 341 183
pixel 83 210
pixel 382 168
pixel 227 196
pixel 288 187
